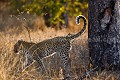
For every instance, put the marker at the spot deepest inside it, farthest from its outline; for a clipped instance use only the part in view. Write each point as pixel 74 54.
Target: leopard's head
pixel 18 46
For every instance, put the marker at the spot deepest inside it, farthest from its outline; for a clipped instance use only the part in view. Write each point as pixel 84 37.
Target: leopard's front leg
pixel 42 66
pixel 27 60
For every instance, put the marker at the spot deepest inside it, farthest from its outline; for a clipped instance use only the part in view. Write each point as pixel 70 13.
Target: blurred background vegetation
pixel 54 13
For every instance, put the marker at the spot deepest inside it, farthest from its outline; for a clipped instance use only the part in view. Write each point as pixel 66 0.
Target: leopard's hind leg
pixel 66 65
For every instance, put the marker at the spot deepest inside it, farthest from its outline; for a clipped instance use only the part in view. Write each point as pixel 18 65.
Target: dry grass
pixel 11 63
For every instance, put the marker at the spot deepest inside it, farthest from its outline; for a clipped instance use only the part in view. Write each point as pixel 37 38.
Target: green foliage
pixel 54 7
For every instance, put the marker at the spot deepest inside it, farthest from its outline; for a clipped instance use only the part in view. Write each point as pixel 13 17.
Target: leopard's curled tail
pixel 83 29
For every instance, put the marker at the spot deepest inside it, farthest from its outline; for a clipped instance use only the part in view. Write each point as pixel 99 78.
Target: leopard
pixel 60 45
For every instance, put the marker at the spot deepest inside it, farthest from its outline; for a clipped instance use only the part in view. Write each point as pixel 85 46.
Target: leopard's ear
pixel 20 40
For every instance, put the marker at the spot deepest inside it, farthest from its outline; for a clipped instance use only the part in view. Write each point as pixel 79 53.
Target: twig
pixel 24 25
pixel 28 30
pixel 28 33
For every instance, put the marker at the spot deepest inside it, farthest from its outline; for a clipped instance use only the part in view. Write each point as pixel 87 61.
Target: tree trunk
pixel 104 34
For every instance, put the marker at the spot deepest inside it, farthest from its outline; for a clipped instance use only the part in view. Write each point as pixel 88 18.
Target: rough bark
pixel 104 34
